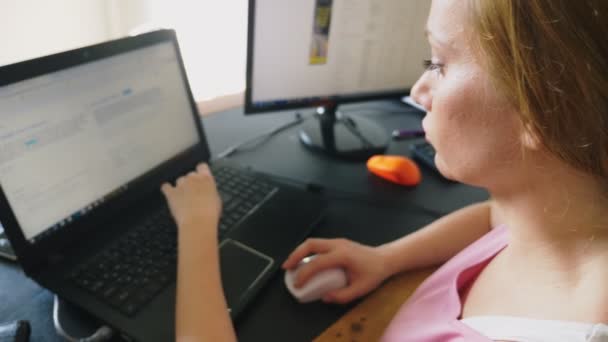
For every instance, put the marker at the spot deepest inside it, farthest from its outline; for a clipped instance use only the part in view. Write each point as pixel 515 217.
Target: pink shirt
pixel 432 312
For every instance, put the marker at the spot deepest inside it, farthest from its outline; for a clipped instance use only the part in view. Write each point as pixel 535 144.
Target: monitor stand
pixel 342 136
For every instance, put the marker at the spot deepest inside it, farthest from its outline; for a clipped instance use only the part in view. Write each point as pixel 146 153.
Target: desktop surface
pixel 286 157
pixel 361 207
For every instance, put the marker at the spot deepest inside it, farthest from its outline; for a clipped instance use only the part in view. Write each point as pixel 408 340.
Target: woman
pixel 517 99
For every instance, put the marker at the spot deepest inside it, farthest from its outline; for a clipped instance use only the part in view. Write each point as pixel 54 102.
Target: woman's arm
pixel 440 240
pixel 367 267
pixel 201 310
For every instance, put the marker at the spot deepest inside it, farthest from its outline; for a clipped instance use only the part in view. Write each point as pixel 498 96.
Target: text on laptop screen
pixel 70 138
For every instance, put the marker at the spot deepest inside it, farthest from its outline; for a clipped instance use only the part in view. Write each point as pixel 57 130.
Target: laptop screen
pixel 70 139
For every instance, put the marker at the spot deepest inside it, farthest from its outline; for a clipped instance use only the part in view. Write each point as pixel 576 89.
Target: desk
pixel 368 320
pixel 390 212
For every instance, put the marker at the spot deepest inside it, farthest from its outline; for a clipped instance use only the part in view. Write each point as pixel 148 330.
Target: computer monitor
pixel 322 53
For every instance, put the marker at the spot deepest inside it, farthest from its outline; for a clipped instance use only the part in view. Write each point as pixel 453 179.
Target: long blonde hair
pixel 550 58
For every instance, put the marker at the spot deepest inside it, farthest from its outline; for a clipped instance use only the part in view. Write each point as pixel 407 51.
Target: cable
pixel 259 139
pixel 256 141
pixel 378 110
pixel 349 123
pixel 340 194
pixel 104 333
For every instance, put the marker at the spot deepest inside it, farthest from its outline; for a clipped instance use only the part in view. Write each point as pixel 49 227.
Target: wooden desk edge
pixel 368 320
pixel 220 103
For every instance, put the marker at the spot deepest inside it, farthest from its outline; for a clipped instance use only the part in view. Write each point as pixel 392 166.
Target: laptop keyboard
pixel 133 269
pixel 240 194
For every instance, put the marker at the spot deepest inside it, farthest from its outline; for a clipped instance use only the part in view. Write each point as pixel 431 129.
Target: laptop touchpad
pixel 243 270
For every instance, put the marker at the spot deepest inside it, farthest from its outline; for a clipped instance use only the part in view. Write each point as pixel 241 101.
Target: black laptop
pixel 86 139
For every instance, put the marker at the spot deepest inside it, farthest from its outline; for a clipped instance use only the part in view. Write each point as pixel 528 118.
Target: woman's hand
pixel 194 201
pixel 364 266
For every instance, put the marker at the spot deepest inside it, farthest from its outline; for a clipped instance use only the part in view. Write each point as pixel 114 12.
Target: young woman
pixel 517 99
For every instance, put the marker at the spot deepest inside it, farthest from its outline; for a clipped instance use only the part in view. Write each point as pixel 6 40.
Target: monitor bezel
pixel 33 256
pixel 330 100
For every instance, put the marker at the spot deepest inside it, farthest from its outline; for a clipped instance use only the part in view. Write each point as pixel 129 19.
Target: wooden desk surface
pixel 368 320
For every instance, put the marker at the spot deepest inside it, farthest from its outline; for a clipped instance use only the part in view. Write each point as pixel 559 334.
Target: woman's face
pixel 475 132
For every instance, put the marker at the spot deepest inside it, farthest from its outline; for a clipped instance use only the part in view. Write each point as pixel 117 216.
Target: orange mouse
pixel 397 169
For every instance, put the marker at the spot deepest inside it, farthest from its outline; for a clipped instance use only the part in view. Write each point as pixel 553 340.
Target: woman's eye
pixel 430 66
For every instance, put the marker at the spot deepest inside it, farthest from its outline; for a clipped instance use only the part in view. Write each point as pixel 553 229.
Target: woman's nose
pixel 421 92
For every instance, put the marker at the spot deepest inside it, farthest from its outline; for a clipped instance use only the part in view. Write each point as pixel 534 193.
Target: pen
pixel 407 133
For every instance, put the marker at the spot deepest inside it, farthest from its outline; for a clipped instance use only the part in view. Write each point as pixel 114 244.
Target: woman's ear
pixel 529 138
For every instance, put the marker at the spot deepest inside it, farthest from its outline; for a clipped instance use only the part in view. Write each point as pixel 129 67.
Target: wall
pixel 211 33
pixel 30 28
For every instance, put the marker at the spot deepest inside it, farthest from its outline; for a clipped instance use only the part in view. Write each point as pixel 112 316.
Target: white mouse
pixel 317 286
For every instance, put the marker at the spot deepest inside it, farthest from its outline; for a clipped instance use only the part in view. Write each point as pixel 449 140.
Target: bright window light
pixel 213 39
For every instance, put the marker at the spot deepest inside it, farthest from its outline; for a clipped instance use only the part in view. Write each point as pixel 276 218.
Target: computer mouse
pixel 317 286
pixel 397 169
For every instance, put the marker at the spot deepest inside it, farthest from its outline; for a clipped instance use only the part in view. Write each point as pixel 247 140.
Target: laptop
pixel 87 137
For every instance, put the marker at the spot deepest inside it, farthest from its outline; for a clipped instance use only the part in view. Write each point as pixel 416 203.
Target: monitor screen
pixel 72 138
pixel 304 51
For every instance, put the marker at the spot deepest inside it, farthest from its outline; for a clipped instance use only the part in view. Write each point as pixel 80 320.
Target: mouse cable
pixel 339 194
pixel 258 140
pixel 103 333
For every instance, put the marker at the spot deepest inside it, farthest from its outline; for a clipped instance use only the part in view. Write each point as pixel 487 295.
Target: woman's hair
pixel 550 58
